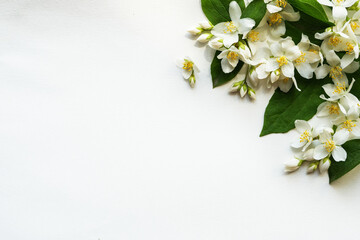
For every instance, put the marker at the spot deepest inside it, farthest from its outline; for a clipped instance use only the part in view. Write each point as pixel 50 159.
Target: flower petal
pixel 339 154
pixel 322 71
pixel 235 11
pixel 305 70
pixel 339 13
pixel 320 152
pixel 226 66
pixel 288 70
pixel 341 136
pixel 246 24
pixel 302 126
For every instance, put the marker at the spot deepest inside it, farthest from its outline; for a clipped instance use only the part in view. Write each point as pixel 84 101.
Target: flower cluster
pixel 262 51
pixel 316 145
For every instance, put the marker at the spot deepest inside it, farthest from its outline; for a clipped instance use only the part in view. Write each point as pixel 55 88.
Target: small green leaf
pixel 217 11
pixel 217 74
pixel 339 169
pixel 255 10
pixel 311 8
pixel 284 108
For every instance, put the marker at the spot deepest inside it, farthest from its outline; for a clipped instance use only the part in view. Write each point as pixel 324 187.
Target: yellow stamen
pixel 354 25
pixel 253 36
pixel 350 48
pixel 188 65
pixel 334 41
pixel 305 136
pixel 335 72
pixel 300 59
pixel 230 27
pixel 281 3
pixel 340 87
pixel 275 19
pixel 314 51
pixel 348 124
pixel 329 145
pixel 339 1
pixel 232 55
pixel 334 109
pixel 282 61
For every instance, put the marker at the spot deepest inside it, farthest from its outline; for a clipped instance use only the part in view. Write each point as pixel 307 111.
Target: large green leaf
pixel 307 25
pixel 217 74
pixel 255 10
pixel 217 11
pixel 284 108
pixel 311 8
pixel 339 169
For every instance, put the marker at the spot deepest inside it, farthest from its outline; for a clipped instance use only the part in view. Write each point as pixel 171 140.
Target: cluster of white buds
pixel 243 89
pixel 203 31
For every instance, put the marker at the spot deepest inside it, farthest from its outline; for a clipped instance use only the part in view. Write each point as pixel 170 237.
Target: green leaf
pixel 306 25
pixel 217 11
pixel 217 74
pixel 255 10
pixel 356 87
pixel 284 108
pixel 311 8
pixel 339 169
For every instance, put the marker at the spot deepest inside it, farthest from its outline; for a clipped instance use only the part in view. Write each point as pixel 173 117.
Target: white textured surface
pixel 102 139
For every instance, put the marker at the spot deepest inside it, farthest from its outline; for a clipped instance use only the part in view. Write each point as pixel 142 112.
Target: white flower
pixel 337 91
pixel 309 58
pixel 230 57
pixel 324 165
pixel 229 31
pixel 306 135
pixel 292 165
pixel 275 6
pixel 276 21
pixel 188 67
pixel 332 145
pixel 339 11
pixel 350 123
pixel 284 52
pixel 336 69
pixel 329 109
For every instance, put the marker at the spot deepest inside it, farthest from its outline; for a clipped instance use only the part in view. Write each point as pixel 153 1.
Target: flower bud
pixel 205 37
pixel 292 165
pixel 324 165
pixel 216 43
pixel 274 76
pixel 309 155
pixel 235 87
pixel 206 25
pixel 312 167
pixel 243 90
pixel 195 31
pixel 251 93
pixel 192 81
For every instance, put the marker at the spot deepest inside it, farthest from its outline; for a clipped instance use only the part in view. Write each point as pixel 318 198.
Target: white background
pixel 101 138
